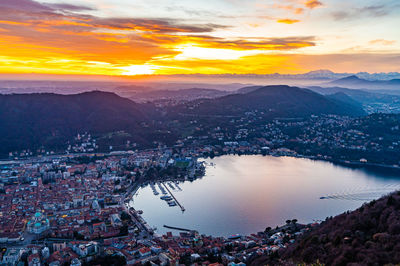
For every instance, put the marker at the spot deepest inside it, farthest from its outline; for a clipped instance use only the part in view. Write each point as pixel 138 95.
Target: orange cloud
pixel 293 8
pixel 37 37
pixel 382 42
pixel 13 22
pixel 288 21
pixel 313 3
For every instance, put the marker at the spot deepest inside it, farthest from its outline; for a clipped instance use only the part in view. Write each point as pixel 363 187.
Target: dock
pixel 179 228
pixel 172 195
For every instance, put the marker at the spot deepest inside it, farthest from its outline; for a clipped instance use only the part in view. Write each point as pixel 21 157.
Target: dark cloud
pixel 287 43
pixel 24 5
pixel 69 7
pixel 33 6
pixel 375 11
pixel 341 15
pixel 36 13
pixel 153 25
pixel 369 11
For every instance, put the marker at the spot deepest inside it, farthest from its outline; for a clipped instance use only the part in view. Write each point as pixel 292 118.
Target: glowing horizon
pixel 115 38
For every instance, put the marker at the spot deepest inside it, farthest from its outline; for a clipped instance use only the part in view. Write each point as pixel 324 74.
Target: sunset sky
pixel 131 37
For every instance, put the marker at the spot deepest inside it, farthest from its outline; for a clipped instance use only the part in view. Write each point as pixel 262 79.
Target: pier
pixel 172 195
pixel 179 228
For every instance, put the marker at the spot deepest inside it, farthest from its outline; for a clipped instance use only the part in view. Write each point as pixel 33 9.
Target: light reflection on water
pixel 245 194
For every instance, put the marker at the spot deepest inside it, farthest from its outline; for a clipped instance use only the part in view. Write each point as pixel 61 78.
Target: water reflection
pixel 245 194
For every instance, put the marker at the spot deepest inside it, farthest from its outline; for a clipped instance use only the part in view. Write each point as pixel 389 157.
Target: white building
pixel 38 224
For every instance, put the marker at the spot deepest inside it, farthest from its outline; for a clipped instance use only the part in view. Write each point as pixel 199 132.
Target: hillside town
pixel 372 140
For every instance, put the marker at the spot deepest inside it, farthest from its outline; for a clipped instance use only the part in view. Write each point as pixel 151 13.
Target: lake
pixel 245 194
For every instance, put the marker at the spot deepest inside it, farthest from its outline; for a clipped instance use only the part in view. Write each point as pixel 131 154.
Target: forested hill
pixel 369 235
pixel 31 120
pixel 273 101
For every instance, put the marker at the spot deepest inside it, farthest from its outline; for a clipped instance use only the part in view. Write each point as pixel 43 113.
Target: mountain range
pixel 273 101
pixel 354 81
pixel 373 101
pixel 322 74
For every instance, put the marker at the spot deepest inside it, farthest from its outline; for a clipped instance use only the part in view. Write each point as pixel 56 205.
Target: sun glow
pixel 139 70
pixel 53 38
pixel 191 51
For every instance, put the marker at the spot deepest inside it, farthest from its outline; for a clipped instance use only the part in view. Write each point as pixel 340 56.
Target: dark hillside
pixel 274 101
pixel 30 120
pixel 369 235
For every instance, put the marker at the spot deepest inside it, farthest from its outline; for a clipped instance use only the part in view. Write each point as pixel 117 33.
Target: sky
pixel 164 37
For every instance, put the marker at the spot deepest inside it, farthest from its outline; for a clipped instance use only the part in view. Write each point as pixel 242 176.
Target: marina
pixel 153 188
pixel 161 187
pixel 175 202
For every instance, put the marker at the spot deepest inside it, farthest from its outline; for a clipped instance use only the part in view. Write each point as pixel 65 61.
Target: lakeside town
pixel 74 209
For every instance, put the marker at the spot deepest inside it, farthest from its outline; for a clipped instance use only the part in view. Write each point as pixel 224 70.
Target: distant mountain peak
pixel 272 101
pixel 352 77
pixel 321 71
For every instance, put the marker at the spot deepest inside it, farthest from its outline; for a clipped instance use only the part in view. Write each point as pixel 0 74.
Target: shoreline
pixel 358 164
pixel 350 164
pixel 353 165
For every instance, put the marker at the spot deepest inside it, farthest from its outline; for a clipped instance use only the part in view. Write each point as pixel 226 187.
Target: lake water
pixel 245 194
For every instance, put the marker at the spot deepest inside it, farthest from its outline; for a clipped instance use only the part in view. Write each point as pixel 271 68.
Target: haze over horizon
pixel 121 38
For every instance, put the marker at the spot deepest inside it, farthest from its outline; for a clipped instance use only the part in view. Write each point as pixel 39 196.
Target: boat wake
pixel 364 194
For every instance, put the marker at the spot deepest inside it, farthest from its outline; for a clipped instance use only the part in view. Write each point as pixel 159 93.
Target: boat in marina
pixel 171 203
pixel 167 198
pixel 153 188
pixel 162 189
pixel 235 236
pixel 171 186
pixel 177 186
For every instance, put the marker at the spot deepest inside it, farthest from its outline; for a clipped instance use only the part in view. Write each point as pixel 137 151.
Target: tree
pixel 125 216
pixel 212 154
pixel 78 236
pixel 123 230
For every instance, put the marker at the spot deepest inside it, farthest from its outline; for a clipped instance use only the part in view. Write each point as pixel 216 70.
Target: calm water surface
pixel 245 194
